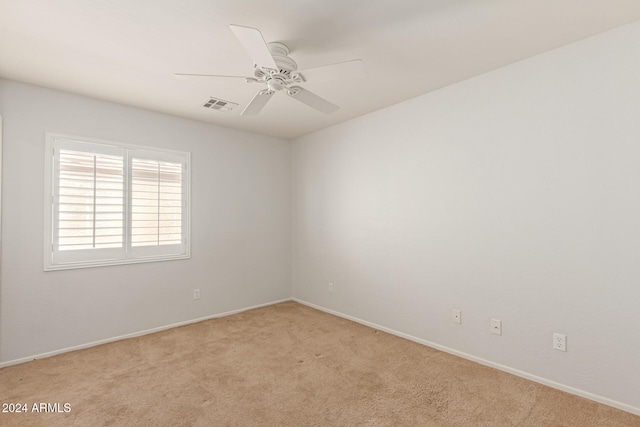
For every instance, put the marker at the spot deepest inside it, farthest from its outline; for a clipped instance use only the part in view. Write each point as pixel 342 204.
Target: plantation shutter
pixel 156 202
pixel 114 204
pixel 90 200
pixel 88 206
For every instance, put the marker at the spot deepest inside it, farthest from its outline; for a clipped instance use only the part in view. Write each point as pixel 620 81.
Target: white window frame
pixel 128 254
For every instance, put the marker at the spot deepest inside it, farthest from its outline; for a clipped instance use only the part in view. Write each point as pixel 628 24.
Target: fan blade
pixel 341 70
pixel 253 42
pixel 182 76
pixel 259 100
pixel 312 100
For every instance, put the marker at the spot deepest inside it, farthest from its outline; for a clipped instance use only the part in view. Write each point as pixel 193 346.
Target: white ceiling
pixel 128 50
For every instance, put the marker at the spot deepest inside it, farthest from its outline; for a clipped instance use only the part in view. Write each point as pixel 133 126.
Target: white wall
pixel 514 195
pixel 240 227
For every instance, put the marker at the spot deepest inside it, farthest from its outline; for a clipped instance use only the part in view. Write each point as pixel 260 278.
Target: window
pixel 107 203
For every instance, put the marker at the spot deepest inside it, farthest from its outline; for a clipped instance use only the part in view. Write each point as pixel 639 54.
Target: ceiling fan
pixel 274 67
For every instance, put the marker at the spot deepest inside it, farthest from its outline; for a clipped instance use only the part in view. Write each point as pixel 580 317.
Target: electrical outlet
pixel 196 294
pixel 456 316
pixel 330 287
pixel 496 326
pixel 559 341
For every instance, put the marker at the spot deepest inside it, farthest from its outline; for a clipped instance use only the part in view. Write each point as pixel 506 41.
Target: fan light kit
pixel 274 67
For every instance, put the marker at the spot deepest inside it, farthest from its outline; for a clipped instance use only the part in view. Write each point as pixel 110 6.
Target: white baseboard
pixel 516 372
pixel 135 334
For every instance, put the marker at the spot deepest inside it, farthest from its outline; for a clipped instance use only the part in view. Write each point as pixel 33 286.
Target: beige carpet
pixel 285 364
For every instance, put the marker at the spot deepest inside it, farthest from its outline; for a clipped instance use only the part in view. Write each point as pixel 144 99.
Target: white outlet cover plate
pixel 496 326
pixel 559 341
pixel 456 316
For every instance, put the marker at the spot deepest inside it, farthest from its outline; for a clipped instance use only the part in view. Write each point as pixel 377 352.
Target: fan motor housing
pixel 280 54
pixel 285 74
